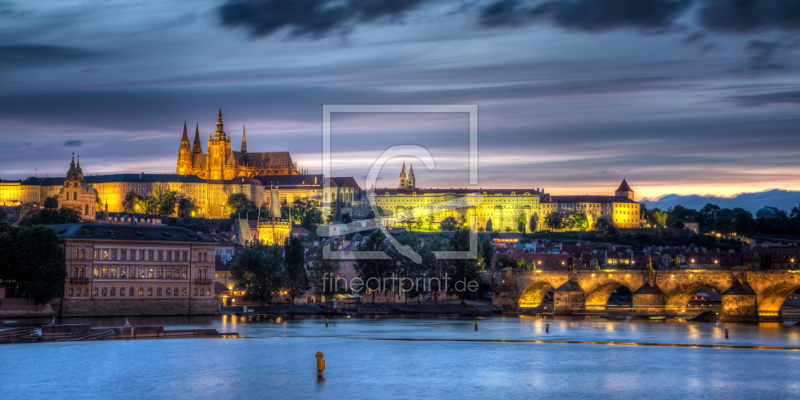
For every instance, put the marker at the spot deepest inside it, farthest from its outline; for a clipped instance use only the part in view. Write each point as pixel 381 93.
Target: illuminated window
pixel 169 272
pixel 97 272
pixel 122 292
pixel 169 292
pixel 141 292
pixel 183 291
pixel 94 291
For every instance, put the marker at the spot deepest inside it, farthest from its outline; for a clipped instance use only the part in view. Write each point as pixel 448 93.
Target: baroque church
pixel 222 163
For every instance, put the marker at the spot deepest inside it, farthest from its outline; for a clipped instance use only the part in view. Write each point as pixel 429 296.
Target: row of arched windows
pixel 132 292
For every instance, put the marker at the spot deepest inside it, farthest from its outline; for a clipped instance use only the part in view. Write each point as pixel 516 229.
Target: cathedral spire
pixel 185 137
pixel 244 140
pixel 197 148
pixel 220 133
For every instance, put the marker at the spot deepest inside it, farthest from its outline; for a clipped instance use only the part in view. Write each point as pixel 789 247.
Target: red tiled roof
pixel 624 187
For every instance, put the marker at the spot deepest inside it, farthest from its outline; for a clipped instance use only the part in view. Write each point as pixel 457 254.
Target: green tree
pixel 373 271
pixel 407 270
pixel 521 264
pixel 323 274
pixel 257 271
pixel 601 224
pixel 579 221
pixel 294 272
pixel 238 202
pixel 485 252
pixel 130 201
pixel 186 207
pixel 49 216
pixel 534 223
pixel 489 226
pixel 504 261
pixel 448 224
pixel 657 218
pixel 464 274
pixel 51 202
pixel 3 215
pixel 35 262
pixel 554 221
pixel 521 222
pixel 225 226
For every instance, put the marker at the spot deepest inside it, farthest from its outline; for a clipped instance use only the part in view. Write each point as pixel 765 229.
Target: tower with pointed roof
pixel 184 154
pixel 244 145
pixel 76 194
pixel 219 161
pixel 197 148
pixel 410 184
pixel 403 184
pixel 624 190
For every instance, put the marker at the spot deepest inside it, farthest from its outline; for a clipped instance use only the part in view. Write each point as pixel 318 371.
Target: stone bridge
pixel 746 295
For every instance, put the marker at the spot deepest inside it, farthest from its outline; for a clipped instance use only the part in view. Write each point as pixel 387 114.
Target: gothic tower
pixel 624 190
pixel 197 148
pixel 403 178
pixel 219 150
pixel 410 180
pixel 184 155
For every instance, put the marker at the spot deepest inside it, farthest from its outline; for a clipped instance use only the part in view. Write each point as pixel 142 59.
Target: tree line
pixel 32 261
pixel 261 270
pixel 725 220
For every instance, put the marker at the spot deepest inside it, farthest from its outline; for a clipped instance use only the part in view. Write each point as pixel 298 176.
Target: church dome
pixel 765 211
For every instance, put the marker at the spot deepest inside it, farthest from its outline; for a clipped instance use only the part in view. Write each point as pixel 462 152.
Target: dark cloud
pixel 746 16
pixel 767 55
pixel 650 16
pixel 73 143
pixel 786 97
pixel 32 55
pixel 309 18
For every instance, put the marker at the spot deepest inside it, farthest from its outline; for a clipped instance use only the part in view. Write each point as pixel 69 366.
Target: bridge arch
pixel 770 304
pixel 534 293
pixel 597 298
pixel 680 297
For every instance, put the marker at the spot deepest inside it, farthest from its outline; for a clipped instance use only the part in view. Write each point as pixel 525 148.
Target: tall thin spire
pixel 185 137
pixel 197 148
pixel 244 140
pixel 220 133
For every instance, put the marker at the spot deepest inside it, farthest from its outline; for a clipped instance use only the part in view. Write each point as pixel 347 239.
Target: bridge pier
pixel 739 303
pixel 569 298
pixel 648 297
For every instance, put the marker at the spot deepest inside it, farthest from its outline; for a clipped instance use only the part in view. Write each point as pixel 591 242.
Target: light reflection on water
pixel 276 360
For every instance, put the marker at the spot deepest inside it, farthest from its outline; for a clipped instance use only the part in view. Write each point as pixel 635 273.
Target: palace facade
pixel 505 208
pixel 136 270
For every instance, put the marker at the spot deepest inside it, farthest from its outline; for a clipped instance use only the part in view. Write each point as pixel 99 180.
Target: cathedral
pixel 222 163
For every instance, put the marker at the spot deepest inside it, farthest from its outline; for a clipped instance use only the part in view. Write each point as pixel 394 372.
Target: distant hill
pixel 782 199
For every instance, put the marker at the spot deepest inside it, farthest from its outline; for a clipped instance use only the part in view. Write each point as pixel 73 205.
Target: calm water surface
pixel 373 358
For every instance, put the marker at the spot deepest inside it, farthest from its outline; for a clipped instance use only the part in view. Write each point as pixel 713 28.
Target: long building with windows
pixel 501 209
pixel 136 270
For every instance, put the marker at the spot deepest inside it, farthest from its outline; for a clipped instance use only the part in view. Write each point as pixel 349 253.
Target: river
pixel 411 358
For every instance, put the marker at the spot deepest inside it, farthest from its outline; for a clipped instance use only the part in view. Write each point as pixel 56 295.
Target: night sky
pixel 678 96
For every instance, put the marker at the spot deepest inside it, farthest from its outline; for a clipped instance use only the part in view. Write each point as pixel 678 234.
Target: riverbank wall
pixel 138 307
pixel 22 307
